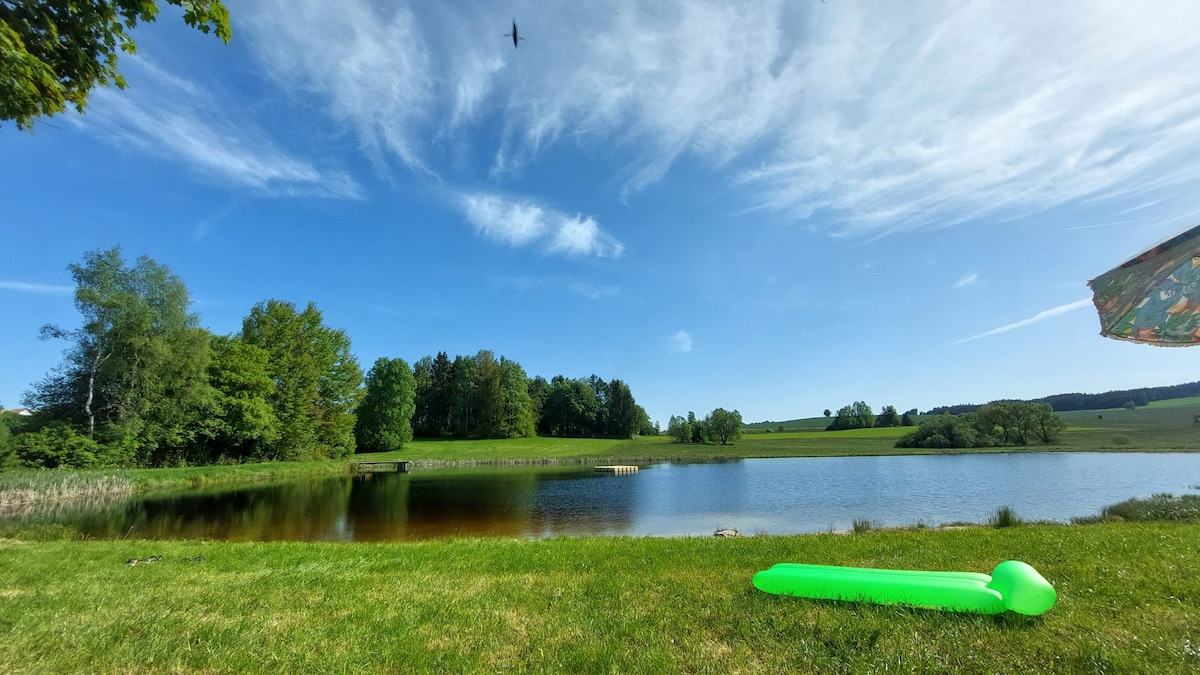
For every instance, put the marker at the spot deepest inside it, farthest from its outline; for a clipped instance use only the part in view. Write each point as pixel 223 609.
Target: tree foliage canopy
pixel 54 52
pixel 724 425
pixel 316 379
pixel 720 425
pixel 857 415
pixel 143 385
pixel 996 424
pixel 135 370
pixel 384 418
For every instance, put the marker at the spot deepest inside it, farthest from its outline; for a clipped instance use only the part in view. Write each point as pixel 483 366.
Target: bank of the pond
pixel 22 488
pixel 1127 603
pixel 25 487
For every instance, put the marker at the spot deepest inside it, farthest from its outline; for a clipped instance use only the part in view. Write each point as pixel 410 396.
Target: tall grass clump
pixel 1005 517
pixel 30 487
pixel 1159 507
pixel 863 525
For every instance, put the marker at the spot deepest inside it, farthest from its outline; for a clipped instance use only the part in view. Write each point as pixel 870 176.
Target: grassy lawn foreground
pixel 1128 602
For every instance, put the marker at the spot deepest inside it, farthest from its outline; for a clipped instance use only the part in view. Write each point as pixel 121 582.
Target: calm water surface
pixel 775 496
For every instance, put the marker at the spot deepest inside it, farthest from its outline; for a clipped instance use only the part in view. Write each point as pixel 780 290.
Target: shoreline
pixel 21 489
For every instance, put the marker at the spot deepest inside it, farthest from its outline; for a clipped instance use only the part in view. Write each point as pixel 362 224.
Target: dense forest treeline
pixel 1103 401
pixel 143 384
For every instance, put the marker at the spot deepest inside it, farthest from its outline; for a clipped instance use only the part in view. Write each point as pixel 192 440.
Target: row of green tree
pixel 995 424
pixel 143 384
pixel 719 426
pixel 859 415
pixel 483 397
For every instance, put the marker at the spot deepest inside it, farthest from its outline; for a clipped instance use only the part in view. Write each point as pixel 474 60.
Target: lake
pixel 773 496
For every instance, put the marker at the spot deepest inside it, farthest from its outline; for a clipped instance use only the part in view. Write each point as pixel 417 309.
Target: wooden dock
pixel 372 467
pixel 617 468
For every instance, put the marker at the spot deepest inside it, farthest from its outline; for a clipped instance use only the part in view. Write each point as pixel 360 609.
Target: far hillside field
pixel 1162 426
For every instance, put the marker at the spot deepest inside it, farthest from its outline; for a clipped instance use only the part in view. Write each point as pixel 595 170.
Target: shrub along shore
pixel 1126 604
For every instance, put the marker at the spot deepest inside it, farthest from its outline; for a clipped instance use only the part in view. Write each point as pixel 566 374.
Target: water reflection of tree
pixel 495 505
pixel 586 503
pixel 307 510
pixel 378 507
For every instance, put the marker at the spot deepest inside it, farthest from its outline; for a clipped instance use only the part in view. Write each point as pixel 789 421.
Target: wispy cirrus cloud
pixel 169 116
pixel 520 222
pixel 966 281
pixel 875 118
pixel 680 341
pixel 27 287
pixel 593 291
pixel 525 284
pixel 1040 316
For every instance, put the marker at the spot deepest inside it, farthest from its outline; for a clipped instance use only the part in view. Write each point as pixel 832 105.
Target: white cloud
pixel 680 341
pixel 593 291
pixel 26 287
pixel 371 62
pixel 511 222
pixel 519 222
pixel 1053 311
pixel 966 281
pixel 876 117
pixel 169 116
pixel 577 235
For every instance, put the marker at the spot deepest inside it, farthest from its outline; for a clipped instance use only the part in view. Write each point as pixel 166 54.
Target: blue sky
pixel 774 206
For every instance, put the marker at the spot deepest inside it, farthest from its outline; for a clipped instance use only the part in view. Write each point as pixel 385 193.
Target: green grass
pixel 1127 603
pixel 205 476
pixel 1190 402
pixel 1150 428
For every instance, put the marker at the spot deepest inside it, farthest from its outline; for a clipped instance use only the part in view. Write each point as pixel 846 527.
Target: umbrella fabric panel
pixel 1155 297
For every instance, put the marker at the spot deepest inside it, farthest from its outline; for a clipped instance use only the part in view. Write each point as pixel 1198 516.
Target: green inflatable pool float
pixel 1013 585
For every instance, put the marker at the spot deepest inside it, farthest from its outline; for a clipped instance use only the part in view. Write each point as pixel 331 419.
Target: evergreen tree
pixel 462 397
pixel 422 421
pixel 519 419
pixel 441 401
pixel 621 420
pixel 488 393
pixel 538 390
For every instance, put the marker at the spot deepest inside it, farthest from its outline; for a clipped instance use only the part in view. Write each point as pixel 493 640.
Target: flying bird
pixel 515 36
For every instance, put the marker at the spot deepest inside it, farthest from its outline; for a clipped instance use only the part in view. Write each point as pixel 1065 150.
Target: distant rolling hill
pixel 1187 394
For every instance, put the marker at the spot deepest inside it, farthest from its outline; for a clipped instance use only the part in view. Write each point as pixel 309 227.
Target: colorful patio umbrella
pixel 1154 298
